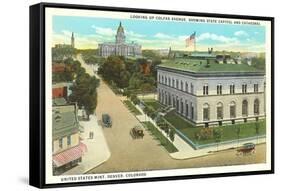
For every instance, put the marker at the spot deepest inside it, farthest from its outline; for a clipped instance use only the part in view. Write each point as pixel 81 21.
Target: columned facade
pixel 119 47
pixel 213 99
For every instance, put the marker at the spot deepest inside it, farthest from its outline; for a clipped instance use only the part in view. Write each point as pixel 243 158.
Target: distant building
pixel 119 47
pixel 67 148
pixel 164 51
pixel 72 41
pixel 208 92
pixel 61 90
pixel 58 67
pixel 71 45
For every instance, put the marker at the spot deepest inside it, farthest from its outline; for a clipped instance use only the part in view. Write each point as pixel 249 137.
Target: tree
pixel 172 134
pixel 84 92
pixel 114 69
pixel 238 130
pixel 217 135
pixel 257 127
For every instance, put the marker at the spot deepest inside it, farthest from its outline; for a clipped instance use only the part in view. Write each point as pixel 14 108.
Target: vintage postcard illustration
pixel 138 95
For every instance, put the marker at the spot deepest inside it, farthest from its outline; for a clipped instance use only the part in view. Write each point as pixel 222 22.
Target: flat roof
pixel 200 66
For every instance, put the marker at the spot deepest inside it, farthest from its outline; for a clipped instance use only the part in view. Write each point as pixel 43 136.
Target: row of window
pixel 179 105
pixel 180 85
pixel 232 110
pixel 231 89
pixel 61 142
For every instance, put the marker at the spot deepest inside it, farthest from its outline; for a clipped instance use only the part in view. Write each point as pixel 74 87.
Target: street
pixel 128 154
pixel 146 154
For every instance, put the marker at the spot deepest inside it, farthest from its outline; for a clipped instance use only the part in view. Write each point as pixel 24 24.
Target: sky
pixel 151 34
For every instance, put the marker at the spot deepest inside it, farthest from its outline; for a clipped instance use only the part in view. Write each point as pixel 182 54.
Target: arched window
pixel 192 110
pixel 256 107
pixel 169 83
pixel 219 110
pixel 245 108
pixel 232 109
pixel 206 112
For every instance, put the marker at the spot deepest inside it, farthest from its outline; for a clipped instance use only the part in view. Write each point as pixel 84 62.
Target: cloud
pixel 163 36
pixel 241 33
pixel 215 37
pixel 133 34
pixel 104 31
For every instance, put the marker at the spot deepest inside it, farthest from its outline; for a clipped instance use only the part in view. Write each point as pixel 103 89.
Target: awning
pixel 69 155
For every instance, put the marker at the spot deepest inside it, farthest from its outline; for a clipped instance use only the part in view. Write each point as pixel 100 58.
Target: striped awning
pixel 69 155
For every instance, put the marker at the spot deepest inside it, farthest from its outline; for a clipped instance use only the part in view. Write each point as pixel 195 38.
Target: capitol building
pixel 119 47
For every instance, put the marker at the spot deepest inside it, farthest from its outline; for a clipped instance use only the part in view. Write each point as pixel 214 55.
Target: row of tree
pixel 126 73
pixel 84 88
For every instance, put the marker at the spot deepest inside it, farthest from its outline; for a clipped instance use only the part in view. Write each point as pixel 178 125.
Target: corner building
pixel 207 93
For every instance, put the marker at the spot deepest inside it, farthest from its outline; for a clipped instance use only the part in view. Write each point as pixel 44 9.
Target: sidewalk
pixel 97 148
pixel 185 151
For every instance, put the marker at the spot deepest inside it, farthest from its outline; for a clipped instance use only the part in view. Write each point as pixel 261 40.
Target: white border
pixel 50 179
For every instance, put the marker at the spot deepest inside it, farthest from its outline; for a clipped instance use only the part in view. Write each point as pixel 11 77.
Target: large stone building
pixel 119 47
pixel 208 93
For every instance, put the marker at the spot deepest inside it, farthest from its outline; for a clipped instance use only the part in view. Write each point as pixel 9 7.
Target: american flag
pixel 190 41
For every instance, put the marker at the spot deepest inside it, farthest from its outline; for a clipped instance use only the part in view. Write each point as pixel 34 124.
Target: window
pixel 177 84
pixel 191 89
pixel 165 80
pixel 68 140
pixel 186 87
pixel 245 108
pixel 60 143
pixel 256 107
pixel 162 79
pixel 192 111
pixel 205 90
pixel 173 83
pixel 256 88
pixel 181 107
pixel 219 111
pixel 232 109
pixel 169 82
pixel 244 88
pixel 181 85
pixel 219 89
pixel 169 99
pixel 206 112
pixel 232 89
pixel 186 110
pixel 177 106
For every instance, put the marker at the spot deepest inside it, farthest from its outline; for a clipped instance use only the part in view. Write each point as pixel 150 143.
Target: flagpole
pixel 194 41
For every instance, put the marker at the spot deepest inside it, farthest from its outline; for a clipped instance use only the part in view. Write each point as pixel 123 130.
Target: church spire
pixel 72 40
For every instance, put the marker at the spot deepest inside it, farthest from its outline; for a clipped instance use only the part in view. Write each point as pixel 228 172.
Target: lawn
pixel 159 136
pixel 228 131
pixel 131 107
pixel 153 104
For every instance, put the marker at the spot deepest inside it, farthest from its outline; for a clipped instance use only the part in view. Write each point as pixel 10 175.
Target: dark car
pixel 137 132
pixel 247 148
pixel 106 120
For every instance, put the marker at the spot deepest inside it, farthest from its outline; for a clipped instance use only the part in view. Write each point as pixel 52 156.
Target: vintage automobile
pixel 106 120
pixel 247 148
pixel 137 132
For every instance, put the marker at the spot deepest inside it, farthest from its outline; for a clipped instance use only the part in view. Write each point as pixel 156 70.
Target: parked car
pixel 106 120
pixel 247 148
pixel 137 132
